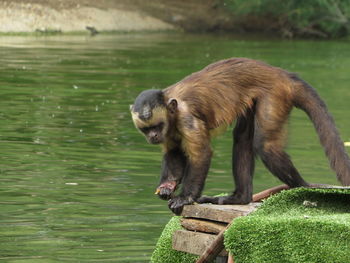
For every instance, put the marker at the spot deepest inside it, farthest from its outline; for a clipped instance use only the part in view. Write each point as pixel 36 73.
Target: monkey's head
pixel 151 114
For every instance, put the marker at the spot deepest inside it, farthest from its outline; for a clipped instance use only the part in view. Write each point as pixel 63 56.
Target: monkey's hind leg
pixel 242 163
pixel 269 140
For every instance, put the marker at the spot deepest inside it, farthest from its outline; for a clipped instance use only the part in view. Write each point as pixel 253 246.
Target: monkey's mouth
pixel 155 141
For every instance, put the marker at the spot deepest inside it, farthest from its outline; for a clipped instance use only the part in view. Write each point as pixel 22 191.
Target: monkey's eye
pixel 157 127
pixel 160 125
pixel 145 129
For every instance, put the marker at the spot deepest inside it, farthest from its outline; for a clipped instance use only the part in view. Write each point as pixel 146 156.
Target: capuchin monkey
pixel 185 116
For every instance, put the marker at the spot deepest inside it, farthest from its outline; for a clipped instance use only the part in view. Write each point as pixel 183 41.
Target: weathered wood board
pixel 202 225
pixel 193 242
pixel 220 213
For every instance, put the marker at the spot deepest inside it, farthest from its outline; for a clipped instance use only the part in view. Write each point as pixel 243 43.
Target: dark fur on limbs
pixel 173 169
pixel 243 163
pixel 192 184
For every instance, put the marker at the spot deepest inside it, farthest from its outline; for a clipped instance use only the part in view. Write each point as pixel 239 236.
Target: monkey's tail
pixel 307 99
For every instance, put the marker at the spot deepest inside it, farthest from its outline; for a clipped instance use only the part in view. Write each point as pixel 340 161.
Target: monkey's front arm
pixel 192 182
pixel 173 170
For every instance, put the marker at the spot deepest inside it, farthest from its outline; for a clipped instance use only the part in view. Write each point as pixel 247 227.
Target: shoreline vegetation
pixel 316 19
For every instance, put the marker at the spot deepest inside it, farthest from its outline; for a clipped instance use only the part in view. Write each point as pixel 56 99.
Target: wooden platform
pixel 203 223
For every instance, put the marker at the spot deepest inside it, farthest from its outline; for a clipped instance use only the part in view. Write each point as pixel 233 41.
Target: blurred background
pixel 76 178
pixel 292 18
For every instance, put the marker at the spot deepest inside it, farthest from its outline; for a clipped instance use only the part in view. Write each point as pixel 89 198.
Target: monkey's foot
pixel 225 200
pixel 165 190
pixel 177 203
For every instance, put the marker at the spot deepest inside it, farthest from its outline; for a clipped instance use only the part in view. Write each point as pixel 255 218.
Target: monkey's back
pixel 223 90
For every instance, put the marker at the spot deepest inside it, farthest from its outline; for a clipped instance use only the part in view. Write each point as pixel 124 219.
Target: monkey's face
pixel 151 115
pixel 154 128
pixel 154 134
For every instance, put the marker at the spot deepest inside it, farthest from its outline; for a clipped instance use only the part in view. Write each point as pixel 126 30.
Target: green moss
pixel 288 229
pixel 164 252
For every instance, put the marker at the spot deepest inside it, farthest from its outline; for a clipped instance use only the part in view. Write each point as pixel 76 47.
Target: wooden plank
pixel 221 259
pixel 200 225
pixel 268 192
pixel 193 242
pixel 220 213
pixel 212 251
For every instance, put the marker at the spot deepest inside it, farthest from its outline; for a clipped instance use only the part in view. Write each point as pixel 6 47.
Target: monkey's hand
pixel 177 203
pixel 165 190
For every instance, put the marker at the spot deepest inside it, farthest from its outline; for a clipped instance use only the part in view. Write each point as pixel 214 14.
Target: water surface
pixel 76 178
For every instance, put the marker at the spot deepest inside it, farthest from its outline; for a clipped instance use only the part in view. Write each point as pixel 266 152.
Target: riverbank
pixel 68 16
pixel 186 15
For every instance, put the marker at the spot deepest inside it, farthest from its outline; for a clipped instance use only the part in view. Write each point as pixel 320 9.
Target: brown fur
pixel 222 91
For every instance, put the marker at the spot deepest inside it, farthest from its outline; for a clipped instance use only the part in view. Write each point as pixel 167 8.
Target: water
pixel 76 178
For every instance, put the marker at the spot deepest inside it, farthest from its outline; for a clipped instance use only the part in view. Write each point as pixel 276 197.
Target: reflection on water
pixel 77 180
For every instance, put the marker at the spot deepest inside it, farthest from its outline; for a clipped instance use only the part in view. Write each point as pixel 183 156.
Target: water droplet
pixel 71 183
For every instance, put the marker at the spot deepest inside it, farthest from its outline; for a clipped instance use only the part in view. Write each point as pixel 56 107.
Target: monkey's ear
pixel 172 105
pixel 131 106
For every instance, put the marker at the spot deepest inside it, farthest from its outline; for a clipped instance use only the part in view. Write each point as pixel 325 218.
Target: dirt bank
pixel 68 16
pixel 118 15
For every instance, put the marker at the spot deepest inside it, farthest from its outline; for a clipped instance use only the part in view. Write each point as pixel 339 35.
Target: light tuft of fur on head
pixel 146 103
pixel 159 114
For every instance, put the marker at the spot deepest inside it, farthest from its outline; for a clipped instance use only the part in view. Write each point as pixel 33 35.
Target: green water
pixel 77 180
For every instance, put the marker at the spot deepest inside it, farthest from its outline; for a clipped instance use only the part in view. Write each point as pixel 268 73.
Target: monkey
pixel 254 95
